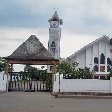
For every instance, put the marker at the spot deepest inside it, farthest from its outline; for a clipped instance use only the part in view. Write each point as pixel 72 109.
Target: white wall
pixel 108 51
pixel 3 81
pixel 82 85
pixel 96 50
pixel 89 55
pixel 102 47
pixel 81 59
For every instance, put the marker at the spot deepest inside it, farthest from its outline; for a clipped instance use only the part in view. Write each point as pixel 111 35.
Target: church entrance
pixel 25 81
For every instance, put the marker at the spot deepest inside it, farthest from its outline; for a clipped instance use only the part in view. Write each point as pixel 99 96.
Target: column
pixel 7 77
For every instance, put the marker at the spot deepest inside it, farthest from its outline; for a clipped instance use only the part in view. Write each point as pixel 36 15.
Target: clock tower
pixel 54 37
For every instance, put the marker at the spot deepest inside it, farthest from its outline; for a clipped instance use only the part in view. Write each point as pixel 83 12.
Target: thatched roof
pixel 31 49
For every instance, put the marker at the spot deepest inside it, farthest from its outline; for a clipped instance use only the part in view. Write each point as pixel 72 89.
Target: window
pixel 53 44
pixel 108 68
pixel 96 68
pixel 96 60
pixel 108 61
pixel 102 59
pixel 53 50
pixel 102 68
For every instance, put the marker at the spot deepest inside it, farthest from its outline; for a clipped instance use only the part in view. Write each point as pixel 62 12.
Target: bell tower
pixel 54 37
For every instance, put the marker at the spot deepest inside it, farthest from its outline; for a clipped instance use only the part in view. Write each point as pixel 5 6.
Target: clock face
pixel 54 24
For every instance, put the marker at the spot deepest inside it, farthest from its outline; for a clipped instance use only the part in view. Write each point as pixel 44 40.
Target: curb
pixel 83 96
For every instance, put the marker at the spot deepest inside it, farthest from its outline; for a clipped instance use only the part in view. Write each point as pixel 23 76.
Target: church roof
pixel 31 49
pixel 104 37
pixel 56 18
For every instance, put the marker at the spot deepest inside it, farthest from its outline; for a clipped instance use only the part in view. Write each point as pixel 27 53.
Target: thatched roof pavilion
pixel 31 52
pixel 31 49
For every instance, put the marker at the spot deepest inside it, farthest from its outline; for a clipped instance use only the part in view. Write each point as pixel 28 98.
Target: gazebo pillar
pixel 7 76
pixel 7 70
pixel 53 73
pixel 11 67
pixel 11 72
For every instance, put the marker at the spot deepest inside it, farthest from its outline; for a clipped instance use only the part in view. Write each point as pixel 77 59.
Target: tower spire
pixel 56 18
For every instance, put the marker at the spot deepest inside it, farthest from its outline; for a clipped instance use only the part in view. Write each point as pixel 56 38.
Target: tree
pixel 69 70
pixel 35 72
pixel 3 65
pixel 39 74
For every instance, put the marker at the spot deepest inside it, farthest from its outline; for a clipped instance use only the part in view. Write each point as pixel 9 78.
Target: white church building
pixel 97 55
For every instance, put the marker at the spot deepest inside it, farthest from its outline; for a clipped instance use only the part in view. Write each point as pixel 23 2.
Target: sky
pixel 83 22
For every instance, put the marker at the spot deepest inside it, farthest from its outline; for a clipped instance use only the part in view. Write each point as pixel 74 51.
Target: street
pixel 45 102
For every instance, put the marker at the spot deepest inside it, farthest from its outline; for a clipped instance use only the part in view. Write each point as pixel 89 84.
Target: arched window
pixel 108 61
pixel 96 68
pixel 102 59
pixel 108 68
pixel 96 60
pixel 53 44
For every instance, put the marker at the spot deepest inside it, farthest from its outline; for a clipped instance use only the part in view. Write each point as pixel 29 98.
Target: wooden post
pixel 11 72
pixel 7 76
pixel 52 76
pixel 11 67
pixel 11 76
pixel 7 70
pixel 53 73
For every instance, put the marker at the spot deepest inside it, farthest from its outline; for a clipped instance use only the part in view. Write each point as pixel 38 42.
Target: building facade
pixel 97 56
pixel 54 37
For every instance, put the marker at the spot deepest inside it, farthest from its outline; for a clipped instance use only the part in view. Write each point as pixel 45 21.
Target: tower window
pixel 102 59
pixel 53 50
pixel 96 60
pixel 53 44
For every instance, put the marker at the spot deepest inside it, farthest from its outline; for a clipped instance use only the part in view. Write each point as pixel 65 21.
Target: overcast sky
pixel 83 22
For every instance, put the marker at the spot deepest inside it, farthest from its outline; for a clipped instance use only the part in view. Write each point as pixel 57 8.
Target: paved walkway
pixel 45 102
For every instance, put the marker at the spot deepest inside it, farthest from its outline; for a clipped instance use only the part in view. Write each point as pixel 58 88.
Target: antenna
pixel 54 10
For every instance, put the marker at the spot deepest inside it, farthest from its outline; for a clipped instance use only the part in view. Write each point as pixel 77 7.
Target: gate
pixel 25 81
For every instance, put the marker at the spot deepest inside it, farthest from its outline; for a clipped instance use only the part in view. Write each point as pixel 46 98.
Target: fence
pixel 82 85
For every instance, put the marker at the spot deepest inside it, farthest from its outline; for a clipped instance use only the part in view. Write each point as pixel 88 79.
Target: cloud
pixel 11 38
pixel 21 13
pixel 79 16
pixel 84 20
